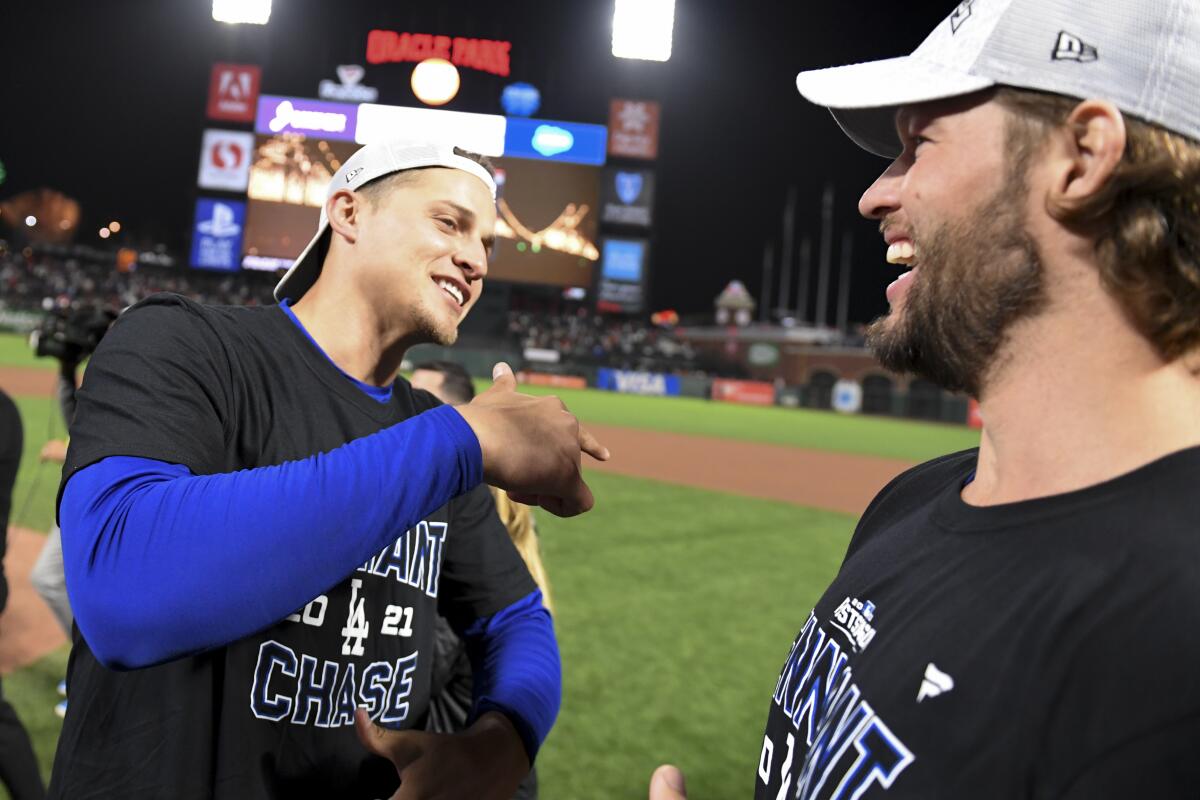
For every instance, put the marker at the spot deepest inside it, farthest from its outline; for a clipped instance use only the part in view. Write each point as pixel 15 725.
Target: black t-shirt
pixel 218 390
pixel 1042 649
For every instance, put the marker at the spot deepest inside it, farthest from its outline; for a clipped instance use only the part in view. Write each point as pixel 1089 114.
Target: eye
pixel 450 222
pixel 917 142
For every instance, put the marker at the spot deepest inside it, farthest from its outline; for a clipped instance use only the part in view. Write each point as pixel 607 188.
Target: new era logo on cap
pixel 1071 48
pixel 960 14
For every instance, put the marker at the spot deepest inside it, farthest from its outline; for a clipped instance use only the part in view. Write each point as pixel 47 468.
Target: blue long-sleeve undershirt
pixel 161 563
pixel 515 661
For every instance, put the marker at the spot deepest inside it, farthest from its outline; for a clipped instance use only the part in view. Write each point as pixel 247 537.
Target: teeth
pixel 901 252
pixel 453 290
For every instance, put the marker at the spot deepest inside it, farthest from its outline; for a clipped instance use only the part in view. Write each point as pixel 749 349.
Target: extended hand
pixel 485 762
pixel 667 784
pixel 54 450
pixel 532 446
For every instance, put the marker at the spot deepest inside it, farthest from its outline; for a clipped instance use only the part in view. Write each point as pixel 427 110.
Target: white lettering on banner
pixel 287 115
pixel 640 383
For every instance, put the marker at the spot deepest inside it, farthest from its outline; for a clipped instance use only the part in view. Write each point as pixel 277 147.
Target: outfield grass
pixel 675 611
pixel 15 352
pixel 816 430
pixel 37 482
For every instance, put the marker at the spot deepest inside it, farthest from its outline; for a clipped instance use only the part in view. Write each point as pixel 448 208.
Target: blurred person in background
pixel 18 765
pixel 47 575
pixel 453 683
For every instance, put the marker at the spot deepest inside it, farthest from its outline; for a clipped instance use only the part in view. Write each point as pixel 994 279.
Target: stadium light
pixel 435 81
pixel 30 221
pixel 642 29
pixel 255 12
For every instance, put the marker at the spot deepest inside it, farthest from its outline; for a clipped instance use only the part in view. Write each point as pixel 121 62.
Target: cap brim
pixel 304 271
pixel 864 97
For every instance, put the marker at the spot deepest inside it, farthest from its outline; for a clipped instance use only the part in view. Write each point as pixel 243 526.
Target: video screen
pixel 546 222
pixel 546 229
pixel 289 175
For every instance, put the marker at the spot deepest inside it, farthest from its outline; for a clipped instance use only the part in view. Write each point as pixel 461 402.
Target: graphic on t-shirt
pixel 853 618
pixel 357 628
pixel 414 559
pixel 305 690
pixel 847 747
pixel 934 683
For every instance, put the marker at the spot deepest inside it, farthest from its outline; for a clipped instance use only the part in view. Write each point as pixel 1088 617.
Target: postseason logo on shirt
pixel 853 618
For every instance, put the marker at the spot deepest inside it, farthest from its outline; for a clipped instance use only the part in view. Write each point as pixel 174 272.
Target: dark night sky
pixel 105 102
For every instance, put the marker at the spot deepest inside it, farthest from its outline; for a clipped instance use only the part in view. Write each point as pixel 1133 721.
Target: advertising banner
pixel 847 396
pixel 753 393
pixel 633 129
pixel 572 142
pixel 622 276
pixel 233 91
pixel 479 133
pixel 631 382
pixel 225 160
pixel 217 234
pixel 628 197
pixel 556 381
pixel 310 117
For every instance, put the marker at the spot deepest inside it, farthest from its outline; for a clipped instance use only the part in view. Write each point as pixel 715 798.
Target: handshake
pixel 532 446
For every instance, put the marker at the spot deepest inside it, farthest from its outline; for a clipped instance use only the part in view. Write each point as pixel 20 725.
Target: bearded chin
pixel 975 283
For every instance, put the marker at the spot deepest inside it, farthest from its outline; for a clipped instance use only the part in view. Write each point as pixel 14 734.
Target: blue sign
pixel 630 382
pixel 520 100
pixel 622 259
pixel 548 140
pixel 629 186
pixel 217 235
pixel 310 117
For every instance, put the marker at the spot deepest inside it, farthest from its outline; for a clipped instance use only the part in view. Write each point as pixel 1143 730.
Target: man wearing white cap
pixel 260 523
pixel 1021 620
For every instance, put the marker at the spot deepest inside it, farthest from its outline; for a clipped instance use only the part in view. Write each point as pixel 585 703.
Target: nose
pixel 473 261
pixel 883 196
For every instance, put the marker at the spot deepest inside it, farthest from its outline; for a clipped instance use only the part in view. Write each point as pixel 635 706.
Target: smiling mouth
pixel 901 252
pixel 452 290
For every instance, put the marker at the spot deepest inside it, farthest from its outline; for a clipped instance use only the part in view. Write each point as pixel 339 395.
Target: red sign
pixel 633 128
pixel 754 393
pixel 485 55
pixel 233 92
pixel 548 379
pixel 974 418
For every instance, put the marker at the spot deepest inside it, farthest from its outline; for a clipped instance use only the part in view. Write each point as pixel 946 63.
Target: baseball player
pixel 1019 621
pixel 260 525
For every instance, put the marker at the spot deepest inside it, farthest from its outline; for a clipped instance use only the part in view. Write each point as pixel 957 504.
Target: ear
pixel 344 210
pixel 1094 143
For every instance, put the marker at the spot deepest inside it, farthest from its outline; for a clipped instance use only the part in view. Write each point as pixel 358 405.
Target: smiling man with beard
pixel 1019 620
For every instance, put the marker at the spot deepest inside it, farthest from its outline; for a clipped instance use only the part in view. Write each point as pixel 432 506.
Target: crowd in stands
pixel 583 338
pixel 38 280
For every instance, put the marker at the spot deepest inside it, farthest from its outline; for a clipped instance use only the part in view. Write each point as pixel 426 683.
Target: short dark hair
pixel 376 189
pixel 456 381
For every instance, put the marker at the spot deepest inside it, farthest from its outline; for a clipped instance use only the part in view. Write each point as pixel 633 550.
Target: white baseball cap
pixel 372 161
pixel 1141 55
